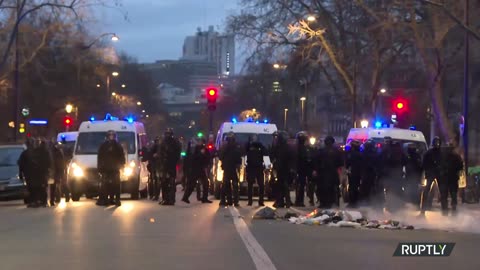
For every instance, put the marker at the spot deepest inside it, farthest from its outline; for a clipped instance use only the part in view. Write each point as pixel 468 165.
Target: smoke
pixel 466 219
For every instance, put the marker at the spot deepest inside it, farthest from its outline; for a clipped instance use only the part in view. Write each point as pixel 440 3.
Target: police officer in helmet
pixel 255 168
pixel 432 164
pixel 168 156
pixel 304 168
pixel 282 165
pixel 328 162
pixel 354 165
pixel 111 159
pixel 231 158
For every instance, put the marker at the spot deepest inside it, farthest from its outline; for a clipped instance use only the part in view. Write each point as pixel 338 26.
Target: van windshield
pixel 88 143
pixel 242 138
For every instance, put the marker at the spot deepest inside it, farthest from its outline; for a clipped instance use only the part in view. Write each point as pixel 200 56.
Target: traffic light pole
pixel 211 121
pixel 466 88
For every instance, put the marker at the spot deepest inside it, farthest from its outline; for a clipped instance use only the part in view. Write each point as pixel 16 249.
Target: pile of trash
pixel 344 218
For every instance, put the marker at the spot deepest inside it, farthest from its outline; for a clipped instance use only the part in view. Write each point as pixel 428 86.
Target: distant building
pixel 211 46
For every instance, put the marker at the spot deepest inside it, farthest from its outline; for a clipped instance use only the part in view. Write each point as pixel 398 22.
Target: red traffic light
pixel 210 146
pixel 67 121
pixel 400 105
pixel 211 93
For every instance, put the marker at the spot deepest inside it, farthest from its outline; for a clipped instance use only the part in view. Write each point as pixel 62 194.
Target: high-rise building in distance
pixel 212 46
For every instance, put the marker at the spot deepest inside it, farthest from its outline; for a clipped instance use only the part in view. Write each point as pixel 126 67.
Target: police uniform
pixel 304 169
pixel 452 165
pixel 200 161
pixel 42 166
pixel 354 164
pixel 255 170
pixel 26 170
pixel 370 172
pixel 111 159
pixel 231 158
pixel 432 162
pixel 283 160
pixel 329 160
pixel 169 155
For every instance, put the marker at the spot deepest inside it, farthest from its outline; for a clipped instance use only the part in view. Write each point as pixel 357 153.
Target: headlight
pixel 132 164
pixel 76 170
pixel 128 171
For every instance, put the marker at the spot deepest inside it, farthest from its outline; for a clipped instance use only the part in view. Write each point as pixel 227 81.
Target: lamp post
pixel 303 99
pixel 466 88
pixel 285 119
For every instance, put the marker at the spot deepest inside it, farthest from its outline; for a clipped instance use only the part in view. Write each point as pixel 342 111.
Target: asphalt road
pixel 144 235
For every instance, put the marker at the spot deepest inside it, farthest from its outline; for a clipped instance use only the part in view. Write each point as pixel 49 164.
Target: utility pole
pixel 466 88
pixel 16 79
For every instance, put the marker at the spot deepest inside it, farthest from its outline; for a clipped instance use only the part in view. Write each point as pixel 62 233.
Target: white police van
pixel 377 135
pixel 243 131
pixel 82 175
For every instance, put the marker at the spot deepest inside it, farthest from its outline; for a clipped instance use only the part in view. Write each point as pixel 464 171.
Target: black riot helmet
pixel 157 140
pixel 301 137
pixel 436 142
pixel 111 135
pixel 355 145
pixel 230 137
pixel 369 146
pixel 329 141
pixel 169 133
pixel 388 140
pixel 412 149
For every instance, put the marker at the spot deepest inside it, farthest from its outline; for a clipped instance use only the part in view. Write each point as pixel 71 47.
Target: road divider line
pixel 257 253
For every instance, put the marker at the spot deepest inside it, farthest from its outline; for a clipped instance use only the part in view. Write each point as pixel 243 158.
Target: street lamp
pixel 139 103
pixel 302 99
pixel 98 85
pixel 311 18
pixel 114 94
pixel 383 90
pixel 285 119
pixel 69 108
pixel 123 86
pixel 364 124
pixel 276 66
pixel 115 37
pixel 115 74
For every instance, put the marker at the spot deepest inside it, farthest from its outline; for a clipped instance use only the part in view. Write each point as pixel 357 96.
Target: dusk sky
pixel 156 29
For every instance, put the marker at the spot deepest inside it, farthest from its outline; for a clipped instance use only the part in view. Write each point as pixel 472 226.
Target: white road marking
pixel 257 253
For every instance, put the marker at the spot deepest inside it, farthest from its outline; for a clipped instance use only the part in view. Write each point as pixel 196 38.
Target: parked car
pixel 11 186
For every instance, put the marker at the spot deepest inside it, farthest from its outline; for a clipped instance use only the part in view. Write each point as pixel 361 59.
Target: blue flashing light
pixel 412 127
pixel 130 120
pixel 92 118
pixel 108 117
pixel 265 121
pixel 234 120
pixel 63 136
pixel 256 122
pixel 38 122
pixel 378 124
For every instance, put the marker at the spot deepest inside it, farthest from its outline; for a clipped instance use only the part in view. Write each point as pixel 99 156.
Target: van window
pixel 242 138
pixel 88 143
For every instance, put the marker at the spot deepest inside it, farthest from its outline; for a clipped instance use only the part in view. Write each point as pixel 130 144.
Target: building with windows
pixel 211 46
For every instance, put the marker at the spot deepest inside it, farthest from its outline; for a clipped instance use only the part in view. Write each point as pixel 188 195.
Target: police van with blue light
pixel 243 131
pixel 380 131
pixel 83 177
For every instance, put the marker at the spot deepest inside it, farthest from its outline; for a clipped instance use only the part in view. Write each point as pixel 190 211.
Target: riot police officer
pixel 200 161
pixel 432 164
pixel 58 172
pixel 26 170
pixel 231 157
pixel 370 172
pixel 452 165
pixel 329 160
pixel 255 169
pixel 153 181
pixel 282 165
pixel 354 164
pixel 168 156
pixel 413 172
pixel 111 159
pixel 304 166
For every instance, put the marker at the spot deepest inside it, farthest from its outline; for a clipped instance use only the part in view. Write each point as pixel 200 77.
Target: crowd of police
pixel 376 175
pixel 42 166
